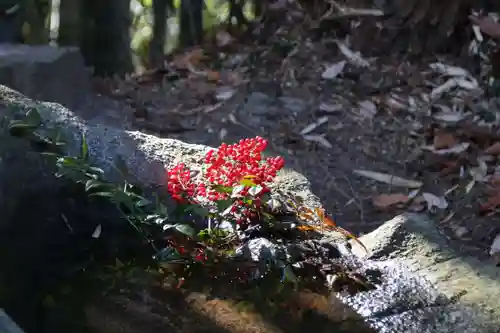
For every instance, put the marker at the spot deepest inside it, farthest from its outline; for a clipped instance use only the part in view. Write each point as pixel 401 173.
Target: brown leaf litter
pixel 372 124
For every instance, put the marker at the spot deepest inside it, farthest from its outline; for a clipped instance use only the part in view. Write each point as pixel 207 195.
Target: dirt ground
pixel 212 308
pixel 377 117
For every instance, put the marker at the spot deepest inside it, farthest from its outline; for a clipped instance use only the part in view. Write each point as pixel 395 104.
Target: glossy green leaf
pixel 222 205
pixel 92 184
pixel 223 189
pixel 185 229
pixel 33 118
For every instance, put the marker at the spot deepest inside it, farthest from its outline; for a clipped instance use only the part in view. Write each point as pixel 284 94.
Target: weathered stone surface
pixel 146 156
pixel 466 289
pixel 44 72
pixel 7 325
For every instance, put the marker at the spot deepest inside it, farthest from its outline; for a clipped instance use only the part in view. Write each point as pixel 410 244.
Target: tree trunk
pixel 161 9
pixel 36 14
pixel 69 23
pixel 258 8
pixel 105 41
pixel 426 26
pixel 191 23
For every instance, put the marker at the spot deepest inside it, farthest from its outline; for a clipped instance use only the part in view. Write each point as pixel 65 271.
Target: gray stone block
pixel 45 72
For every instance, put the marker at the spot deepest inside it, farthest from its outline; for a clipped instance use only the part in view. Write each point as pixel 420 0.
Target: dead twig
pixel 343 12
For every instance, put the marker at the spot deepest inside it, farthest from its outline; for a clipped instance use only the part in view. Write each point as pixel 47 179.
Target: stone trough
pixel 427 286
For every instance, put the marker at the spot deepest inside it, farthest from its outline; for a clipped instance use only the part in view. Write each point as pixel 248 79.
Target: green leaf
pixel 142 202
pixel 33 118
pixel 156 219
pixel 119 264
pixel 203 234
pixel 223 189
pixel 160 207
pixel 289 274
pixel 19 129
pixel 49 154
pixel 68 161
pixel 95 171
pixel 198 210
pixel 84 149
pixel 20 124
pixel 185 229
pixel 92 184
pixel 168 226
pixel 102 194
pixel 222 205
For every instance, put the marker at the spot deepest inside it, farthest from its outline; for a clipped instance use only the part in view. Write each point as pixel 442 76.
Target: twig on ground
pixel 357 199
pixel 343 12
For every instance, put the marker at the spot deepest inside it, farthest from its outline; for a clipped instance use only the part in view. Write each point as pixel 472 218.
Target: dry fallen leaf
pixel 494 149
pixel 212 76
pixel 389 179
pixel 487 25
pixel 418 204
pixel 223 38
pixel 449 70
pixel 456 149
pixel 449 117
pixel 191 58
pixel 395 104
pixel 222 134
pixel 480 172
pixel 367 109
pixel 311 127
pixel 385 201
pixel 495 246
pixel 444 140
pixel 320 139
pixel 354 58
pixel 97 231
pixel 434 201
pixel 444 88
pixel 330 108
pixel 332 71
pixel 224 93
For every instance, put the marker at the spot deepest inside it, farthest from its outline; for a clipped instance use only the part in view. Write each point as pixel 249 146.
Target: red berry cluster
pixel 231 163
pixel 226 166
pixel 180 184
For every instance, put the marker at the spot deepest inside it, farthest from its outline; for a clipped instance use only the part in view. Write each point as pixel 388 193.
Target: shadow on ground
pixel 230 308
pixel 51 280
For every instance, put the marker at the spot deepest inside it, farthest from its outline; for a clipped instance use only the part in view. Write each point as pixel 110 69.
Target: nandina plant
pixel 232 186
pixel 234 181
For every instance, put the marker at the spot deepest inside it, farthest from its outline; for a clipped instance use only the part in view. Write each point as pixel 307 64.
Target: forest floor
pixel 375 136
